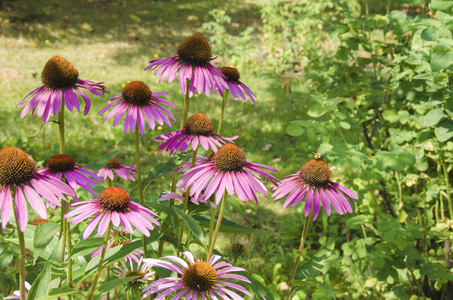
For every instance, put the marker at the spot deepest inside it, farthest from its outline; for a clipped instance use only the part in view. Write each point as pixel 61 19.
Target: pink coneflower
pixel 198 279
pixel 313 184
pixel 76 175
pixel 60 81
pixel 122 171
pixel 124 269
pixel 113 205
pixel 18 176
pixel 198 130
pixel 227 170
pixel 17 293
pixel 137 101
pixel 234 85
pixel 193 63
pixel 181 195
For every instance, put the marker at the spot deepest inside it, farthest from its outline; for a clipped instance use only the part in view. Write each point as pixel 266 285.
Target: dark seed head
pixel 200 276
pixel 61 163
pixel 315 172
pixel 16 166
pixel 232 74
pixel 137 93
pixel 198 124
pixel 58 73
pixel 195 51
pixel 112 164
pixel 229 157
pixel 114 199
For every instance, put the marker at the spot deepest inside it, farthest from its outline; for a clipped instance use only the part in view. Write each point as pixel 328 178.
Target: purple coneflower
pixel 235 86
pixel 137 101
pixel 313 184
pixel 193 63
pixel 227 170
pixel 60 81
pixel 17 293
pixel 122 171
pixel 76 175
pixel 18 176
pixel 113 205
pixel 198 279
pixel 131 269
pixel 181 196
pixel 198 130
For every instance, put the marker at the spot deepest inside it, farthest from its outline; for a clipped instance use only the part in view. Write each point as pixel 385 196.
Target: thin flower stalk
pixel 139 179
pixel 21 238
pixel 217 228
pixel 101 261
pixel 222 111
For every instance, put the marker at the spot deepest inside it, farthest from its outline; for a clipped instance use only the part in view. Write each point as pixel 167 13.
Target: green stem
pixel 139 178
pixel 447 188
pixel 186 204
pixel 61 125
pixel 417 283
pixel 68 239
pixel 299 254
pixel 101 260
pixel 63 233
pixel 108 279
pixel 217 228
pixel 20 236
pixel 400 189
pixel 164 226
pixel 222 112
pixel 211 223
pixel 185 110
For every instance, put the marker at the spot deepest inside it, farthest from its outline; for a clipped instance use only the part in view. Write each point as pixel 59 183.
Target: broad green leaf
pixel 317 111
pixel 167 214
pixel 259 289
pixel 441 59
pixel 194 226
pixel 444 131
pixel 433 117
pixel 106 286
pixel 325 148
pixel 44 233
pixel 60 292
pixel 390 115
pixel 315 282
pixel 401 241
pixel 164 168
pixel 41 283
pixel 314 265
pixel 100 162
pixel 345 125
pixel 357 221
pixel 85 247
pixel 430 34
pixel 230 226
pixel 441 4
pixel 294 130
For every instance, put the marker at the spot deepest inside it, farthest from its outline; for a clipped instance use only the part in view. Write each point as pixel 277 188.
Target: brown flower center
pixel 198 124
pixel 232 74
pixel 58 73
pixel 114 199
pixel 16 166
pixel 229 157
pixel 195 50
pixel 315 172
pixel 137 93
pixel 114 163
pixel 200 276
pixel 61 163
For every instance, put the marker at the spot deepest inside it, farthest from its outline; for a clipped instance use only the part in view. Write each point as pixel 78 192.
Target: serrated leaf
pixel 100 162
pixel 314 265
pixel 162 169
pixel 85 247
pixel 441 59
pixel 294 130
pixel 43 235
pixel 441 4
pixel 194 226
pixel 60 292
pixel 317 111
pixel 41 283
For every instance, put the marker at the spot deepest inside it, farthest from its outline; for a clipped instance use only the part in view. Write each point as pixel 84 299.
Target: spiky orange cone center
pixel 137 93
pixel 315 172
pixel 59 73
pixel 195 50
pixel 199 124
pixel 200 276
pixel 114 199
pixel 229 157
pixel 16 166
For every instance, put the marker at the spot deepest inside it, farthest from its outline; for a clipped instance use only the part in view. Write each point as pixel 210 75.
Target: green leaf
pixel 294 130
pixel 194 226
pixel 441 59
pixel 41 283
pixel 258 288
pixel 317 111
pixel 315 282
pixel 391 116
pixel 430 34
pixel 44 234
pixel 287 85
pixel 357 221
pixel 401 241
pixel 109 285
pixel 167 214
pixel 441 4
pixel 60 292
pixel 100 162
pixel 230 226
pixel 314 265
pixel 85 247
pixel 433 117
pixel 445 131
pixel 345 125
pixel 164 168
